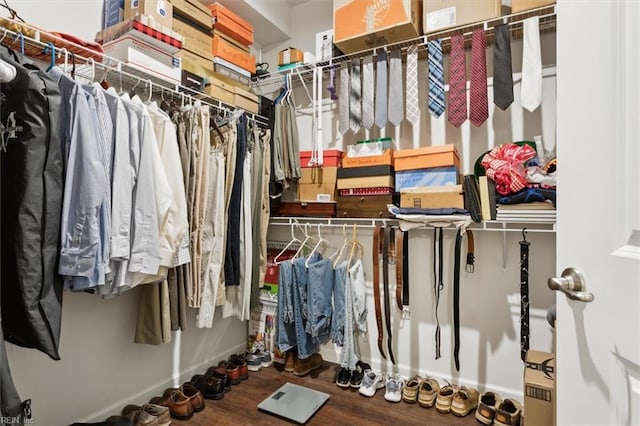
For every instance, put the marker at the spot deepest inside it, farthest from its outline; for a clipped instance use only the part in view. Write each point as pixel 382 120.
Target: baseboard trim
pixel 157 389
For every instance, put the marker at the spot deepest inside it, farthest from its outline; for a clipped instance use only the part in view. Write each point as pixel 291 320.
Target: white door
pixel 598 227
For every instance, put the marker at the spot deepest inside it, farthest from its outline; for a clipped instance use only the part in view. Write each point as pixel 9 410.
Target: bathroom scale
pixel 294 402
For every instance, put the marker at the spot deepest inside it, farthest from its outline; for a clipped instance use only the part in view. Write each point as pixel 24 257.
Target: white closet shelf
pixel 546 14
pixel 490 226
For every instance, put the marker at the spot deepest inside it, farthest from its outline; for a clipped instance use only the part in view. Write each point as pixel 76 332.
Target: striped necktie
pixel 355 99
pixel 436 78
pixel 367 92
pixel 478 104
pixel 343 100
pixel 413 108
pixel 457 82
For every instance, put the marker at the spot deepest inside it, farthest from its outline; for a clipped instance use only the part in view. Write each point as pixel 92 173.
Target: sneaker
pixel 508 413
pixel 464 401
pixel 410 391
pixel 443 400
pixel 428 392
pixel 487 406
pixel 371 382
pixel 265 358
pixel 394 386
pixel 254 362
pixel 344 377
pixel 303 367
pixel 358 374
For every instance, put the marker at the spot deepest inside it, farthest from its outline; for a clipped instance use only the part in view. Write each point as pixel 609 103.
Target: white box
pixel 145 57
pixel 324 45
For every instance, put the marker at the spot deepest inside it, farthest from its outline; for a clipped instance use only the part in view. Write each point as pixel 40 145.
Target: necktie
pixel 381 89
pixel 457 82
pixel 478 108
pixel 436 78
pixel 332 83
pixel 502 72
pixel 396 102
pixel 531 90
pixel 413 110
pixel 367 92
pixel 355 99
pixel 343 97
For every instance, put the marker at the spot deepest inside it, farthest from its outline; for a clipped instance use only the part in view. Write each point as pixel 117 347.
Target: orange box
pixel 363 24
pixel 425 158
pixel 520 5
pixel 385 159
pixel 330 158
pixel 231 24
pixel 230 53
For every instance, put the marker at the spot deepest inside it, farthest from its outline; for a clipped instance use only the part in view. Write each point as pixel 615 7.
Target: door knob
pixel 572 284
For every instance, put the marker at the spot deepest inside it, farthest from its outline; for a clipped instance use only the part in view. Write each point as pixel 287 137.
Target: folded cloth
pixel 505 165
pixel 412 221
pixel 529 195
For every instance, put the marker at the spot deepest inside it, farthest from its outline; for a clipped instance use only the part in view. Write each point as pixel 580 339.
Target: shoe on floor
pixel 487 406
pixel 394 385
pixel 371 382
pixel 194 395
pixel 178 403
pixel 210 386
pixel 410 391
pixel 139 417
pixel 508 413
pixel 428 392
pixel 464 401
pixel 243 368
pixel 254 362
pixel 443 400
pixel 358 374
pixel 158 411
pixel 265 358
pixel 303 367
pixel 290 361
pixel 344 377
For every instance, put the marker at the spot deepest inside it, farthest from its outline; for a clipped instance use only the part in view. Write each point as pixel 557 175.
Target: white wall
pixel 490 307
pixel 101 369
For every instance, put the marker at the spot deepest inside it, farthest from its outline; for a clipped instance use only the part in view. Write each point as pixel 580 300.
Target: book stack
pixel 366 180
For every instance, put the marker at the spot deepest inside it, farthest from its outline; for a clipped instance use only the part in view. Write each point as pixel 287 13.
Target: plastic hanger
pixel 294 240
pixel 338 255
pixel 321 241
pixel 308 238
pixel 20 36
pixel 355 246
pixel 49 48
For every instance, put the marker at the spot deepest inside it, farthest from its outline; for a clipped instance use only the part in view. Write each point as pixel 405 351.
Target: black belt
pixel 438 283
pixel 402 270
pixel 524 296
pixel 388 236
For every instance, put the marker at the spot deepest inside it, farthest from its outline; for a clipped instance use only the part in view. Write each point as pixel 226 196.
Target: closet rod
pixel 134 76
pixel 546 14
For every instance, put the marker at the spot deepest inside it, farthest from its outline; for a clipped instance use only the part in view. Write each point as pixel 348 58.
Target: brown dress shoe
pixel 194 394
pixel 140 417
pixel 290 361
pixel 220 373
pixel 243 368
pixel 232 371
pixel 305 366
pixel 178 403
pixel 162 413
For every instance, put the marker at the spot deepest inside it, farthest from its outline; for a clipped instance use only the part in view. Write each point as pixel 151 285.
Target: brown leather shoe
pixel 178 403
pixel 290 361
pixel 232 371
pixel 304 366
pixel 194 394
pixel 243 368
pixel 159 411
pixel 140 417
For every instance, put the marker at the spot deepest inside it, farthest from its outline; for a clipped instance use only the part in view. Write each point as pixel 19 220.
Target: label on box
pixel 135 4
pixel 323 197
pixel 286 56
pixel 161 9
pixel 441 18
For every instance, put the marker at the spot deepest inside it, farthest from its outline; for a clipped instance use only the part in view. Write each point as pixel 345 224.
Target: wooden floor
pixel 344 407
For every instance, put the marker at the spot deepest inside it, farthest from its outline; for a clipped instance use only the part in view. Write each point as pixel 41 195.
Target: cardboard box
pixel 366 182
pixel 436 197
pixel 220 90
pixel 232 41
pixel 112 13
pixel 231 77
pixel 193 81
pixel 442 14
pixel 317 175
pixel 160 11
pixel 366 149
pixel 245 100
pixel 231 24
pixel 353 172
pixel 330 158
pixel 193 11
pixel 321 191
pixel 195 63
pixel 144 29
pixel 428 157
pixel 146 58
pixel 195 41
pixel 386 158
pixel 232 54
pixel 520 5
pixel 539 388
pixel 290 55
pixel 438 176
pixel 360 25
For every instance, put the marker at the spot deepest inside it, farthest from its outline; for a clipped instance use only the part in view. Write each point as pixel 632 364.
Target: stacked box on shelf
pixel 366 179
pixel 429 177
pixel 143 43
pixel 319 183
pixel 232 61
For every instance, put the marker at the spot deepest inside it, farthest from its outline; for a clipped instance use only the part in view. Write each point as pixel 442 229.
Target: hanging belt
pixel 524 296
pixel 376 285
pixel 399 267
pixel 469 267
pixel 456 289
pixel 388 236
pixel 438 284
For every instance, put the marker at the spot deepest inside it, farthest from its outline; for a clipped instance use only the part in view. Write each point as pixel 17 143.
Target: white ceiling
pixel 271 19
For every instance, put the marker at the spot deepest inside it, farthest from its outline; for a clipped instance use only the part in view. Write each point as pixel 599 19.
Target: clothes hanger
pixel 308 239
pixel 50 48
pixel 356 247
pixel 321 241
pixel 338 255
pixel 294 240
